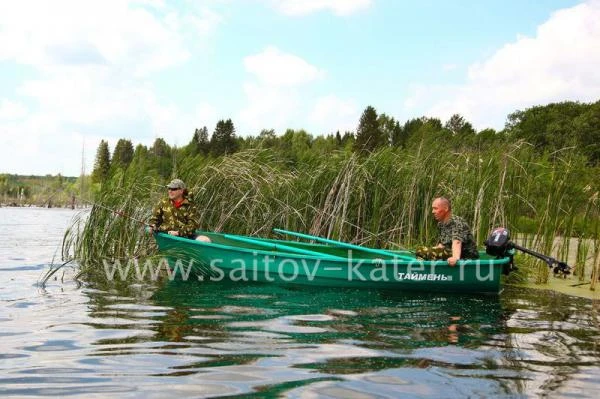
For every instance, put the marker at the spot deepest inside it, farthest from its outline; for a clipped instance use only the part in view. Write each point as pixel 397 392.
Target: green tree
pixel 338 138
pixel 413 126
pixel 458 126
pixel 348 137
pixel 139 165
pixel 487 134
pixel 102 163
pixel 58 182
pixel 368 134
pixel 301 143
pixel 223 140
pixel 200 143
pixel 386 126
pixel 123 154
pixel 423 129
pixel 587 130
pixel 325 145
pixel 161 158
pixel 160 148
pixel 548 127
pixel 267 138
pixel 391 129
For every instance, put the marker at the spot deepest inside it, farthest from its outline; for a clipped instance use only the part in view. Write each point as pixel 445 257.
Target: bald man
pixel 455 241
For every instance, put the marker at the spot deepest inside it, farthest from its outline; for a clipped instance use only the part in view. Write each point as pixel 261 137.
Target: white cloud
pixel 304 7
pixel 274 94
pixel 32 147
pixel 449 67
pixel 10 110
pixel 268 107
pixel 559 63
pixel 205 22
pixel 111 33
pixel 331 113
pixel 92 67
pixel 273 67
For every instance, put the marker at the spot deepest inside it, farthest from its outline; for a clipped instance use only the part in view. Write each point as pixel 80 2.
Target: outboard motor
pixel 498 244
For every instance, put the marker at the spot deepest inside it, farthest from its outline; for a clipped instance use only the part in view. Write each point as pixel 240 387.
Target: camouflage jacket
pixel 167 217
pixel 457 229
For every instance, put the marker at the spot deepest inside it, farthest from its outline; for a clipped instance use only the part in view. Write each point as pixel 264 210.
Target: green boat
pixel 335 264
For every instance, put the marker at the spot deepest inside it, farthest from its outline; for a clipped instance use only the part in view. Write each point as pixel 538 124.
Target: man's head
pixel 176 189
pixel 441 209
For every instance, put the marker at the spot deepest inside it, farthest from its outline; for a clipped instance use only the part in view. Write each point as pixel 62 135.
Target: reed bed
pixel 381 200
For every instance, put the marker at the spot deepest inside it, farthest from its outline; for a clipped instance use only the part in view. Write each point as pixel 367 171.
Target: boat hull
pixel 221 260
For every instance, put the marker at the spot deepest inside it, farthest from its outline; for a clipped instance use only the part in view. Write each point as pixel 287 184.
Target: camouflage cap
pixel 177 184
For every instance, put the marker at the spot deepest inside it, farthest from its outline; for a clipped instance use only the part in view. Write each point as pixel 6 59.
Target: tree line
pixel 548 128
pixel 45 191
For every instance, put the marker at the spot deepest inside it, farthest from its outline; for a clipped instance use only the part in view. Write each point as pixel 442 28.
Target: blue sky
pixel 74 72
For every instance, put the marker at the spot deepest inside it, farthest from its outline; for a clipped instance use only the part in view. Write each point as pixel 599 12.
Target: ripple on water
pixel 244 310
pixel 54 346
pixel 211 317
pixel 137 307
pixel 198 389
pixel 281 324
pixel 107 336
pixel 249 296
pixel 265 335
pixel 22 268
pixel 7 356
pixel 341 312
pixel 396 383
pixel 454 355
pixel 22 304
pixel 71 390
pixel 310 317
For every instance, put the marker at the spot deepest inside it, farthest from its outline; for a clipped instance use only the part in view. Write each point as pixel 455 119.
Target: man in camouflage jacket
pixel 455 241
pixel 175 215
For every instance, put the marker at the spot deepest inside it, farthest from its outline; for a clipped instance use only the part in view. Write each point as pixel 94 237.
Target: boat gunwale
pixel 366 261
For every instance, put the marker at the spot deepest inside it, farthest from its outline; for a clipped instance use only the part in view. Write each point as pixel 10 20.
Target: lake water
pixel 192 339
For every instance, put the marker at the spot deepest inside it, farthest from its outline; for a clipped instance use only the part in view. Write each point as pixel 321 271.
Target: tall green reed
pixel 381 199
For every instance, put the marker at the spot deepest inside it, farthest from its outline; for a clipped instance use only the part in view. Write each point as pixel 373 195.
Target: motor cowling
pixel 498 242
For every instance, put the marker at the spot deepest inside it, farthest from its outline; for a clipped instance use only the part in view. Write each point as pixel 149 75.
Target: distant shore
pixel 45 206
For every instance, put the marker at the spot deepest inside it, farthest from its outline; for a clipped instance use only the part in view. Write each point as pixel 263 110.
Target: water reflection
pixel 225 339
pixel 274 339
pixel 266 337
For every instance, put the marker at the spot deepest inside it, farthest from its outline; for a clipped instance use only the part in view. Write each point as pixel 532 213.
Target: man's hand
pixel 173 232
pixel 456 252
pixel 151 229
pixel 452 261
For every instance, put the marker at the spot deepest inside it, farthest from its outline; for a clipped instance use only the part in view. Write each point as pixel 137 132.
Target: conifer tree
pixel 123 154
pixel 223 139
pixel 338 138
pixel 161 157
pixel 368 134
pixel 399 136
pixel 102 163
pixel 200 143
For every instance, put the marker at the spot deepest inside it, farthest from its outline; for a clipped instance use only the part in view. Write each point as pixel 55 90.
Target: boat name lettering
pixel 423 277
